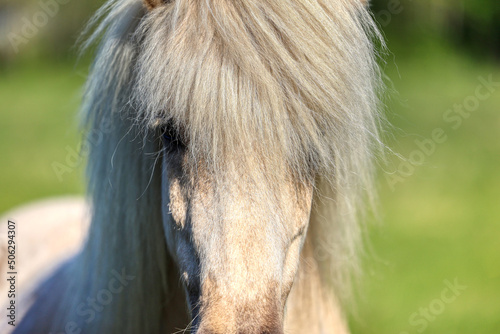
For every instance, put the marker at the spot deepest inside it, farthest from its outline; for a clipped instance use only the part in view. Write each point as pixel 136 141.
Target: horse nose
pixel 241 332
pixel 248 330
pixel 241 318
pixel 227 322
pixel 240 304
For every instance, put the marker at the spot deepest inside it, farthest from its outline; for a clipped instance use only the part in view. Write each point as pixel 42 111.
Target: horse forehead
pixel 246 200
pixel 239 215
pixel 248 229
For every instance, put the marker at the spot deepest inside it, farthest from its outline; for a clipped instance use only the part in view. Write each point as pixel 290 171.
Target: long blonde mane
pixel 292 82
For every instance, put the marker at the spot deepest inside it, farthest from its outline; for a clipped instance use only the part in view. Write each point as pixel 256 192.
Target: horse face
pixel 236 243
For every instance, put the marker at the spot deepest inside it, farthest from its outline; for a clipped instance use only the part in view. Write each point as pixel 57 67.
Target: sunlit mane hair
pixel 292 82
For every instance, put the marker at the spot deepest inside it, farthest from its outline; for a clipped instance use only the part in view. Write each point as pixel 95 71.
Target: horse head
pixel 236 161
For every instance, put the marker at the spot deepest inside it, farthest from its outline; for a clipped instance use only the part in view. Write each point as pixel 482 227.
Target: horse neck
pixel 130 307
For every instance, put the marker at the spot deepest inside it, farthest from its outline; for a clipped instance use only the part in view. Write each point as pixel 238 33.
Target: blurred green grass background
pixel 440 223
pixel 443 221
pixel 38 122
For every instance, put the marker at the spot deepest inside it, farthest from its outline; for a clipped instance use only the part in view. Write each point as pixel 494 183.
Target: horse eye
pixel 170 137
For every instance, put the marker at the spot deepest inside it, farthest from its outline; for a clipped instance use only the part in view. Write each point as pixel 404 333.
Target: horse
pixel 231 149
